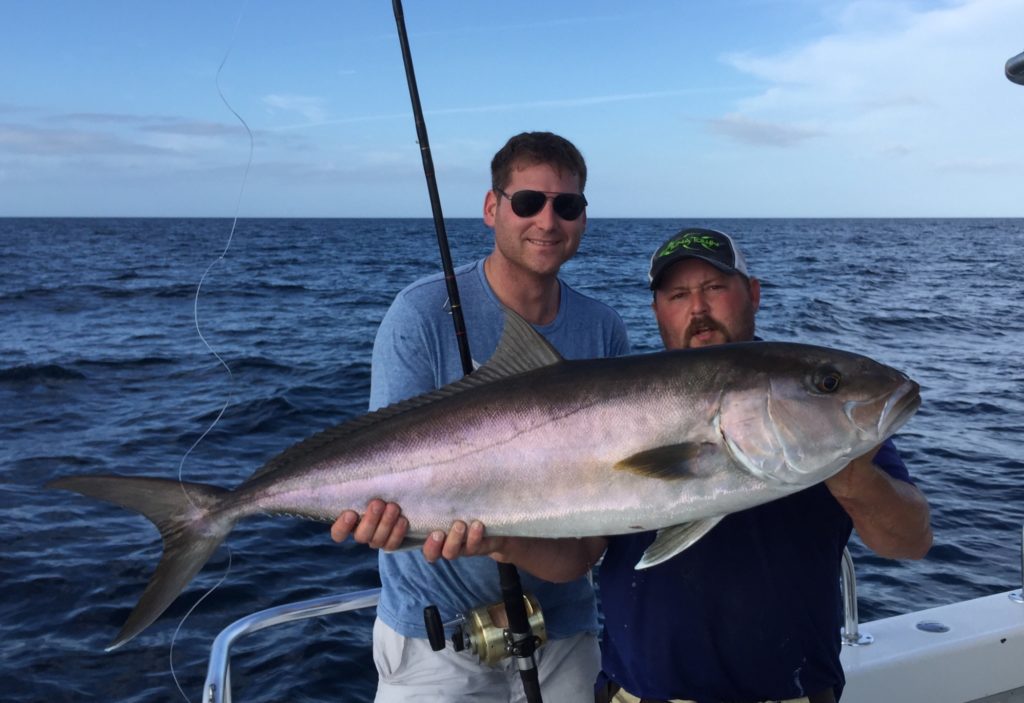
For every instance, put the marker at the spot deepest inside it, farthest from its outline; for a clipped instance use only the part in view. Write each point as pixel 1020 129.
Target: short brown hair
pixel 532 148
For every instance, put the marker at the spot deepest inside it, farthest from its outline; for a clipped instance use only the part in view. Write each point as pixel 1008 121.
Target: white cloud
pixel 519 107
pixel 919 76
pixel 29 140
pixel 311 108
pixel 909 110
pixel 761 133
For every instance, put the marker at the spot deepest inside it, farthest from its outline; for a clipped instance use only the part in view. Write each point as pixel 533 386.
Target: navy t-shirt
pixel 751 611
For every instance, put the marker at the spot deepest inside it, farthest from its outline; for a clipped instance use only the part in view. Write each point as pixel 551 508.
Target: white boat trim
pixel 971 651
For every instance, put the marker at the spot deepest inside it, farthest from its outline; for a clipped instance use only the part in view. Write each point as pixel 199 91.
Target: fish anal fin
pixel 670 461
pixel 673 540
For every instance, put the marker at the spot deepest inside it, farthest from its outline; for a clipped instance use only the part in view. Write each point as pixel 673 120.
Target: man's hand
pixel 382 526
pixel 891 516
pixel 464 541
pixel 852 479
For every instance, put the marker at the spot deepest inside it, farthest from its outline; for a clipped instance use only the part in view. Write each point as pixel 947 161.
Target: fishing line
pixel 219 259
pixel 209 347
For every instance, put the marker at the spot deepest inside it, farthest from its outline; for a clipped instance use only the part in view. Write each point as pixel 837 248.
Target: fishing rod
pixel 520 643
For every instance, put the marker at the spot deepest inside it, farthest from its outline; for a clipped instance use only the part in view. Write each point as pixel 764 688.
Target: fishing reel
pixel 484 630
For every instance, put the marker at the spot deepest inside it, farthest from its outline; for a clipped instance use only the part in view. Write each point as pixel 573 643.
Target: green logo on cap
pixel 691 241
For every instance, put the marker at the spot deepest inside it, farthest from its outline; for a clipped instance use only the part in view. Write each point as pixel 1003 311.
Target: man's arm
pixel 556 560
pixel 890 515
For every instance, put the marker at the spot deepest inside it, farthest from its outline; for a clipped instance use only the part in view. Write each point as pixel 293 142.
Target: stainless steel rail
pixel 217 688
pixel 851 634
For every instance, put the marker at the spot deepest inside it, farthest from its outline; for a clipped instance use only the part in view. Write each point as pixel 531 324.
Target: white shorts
pixel 409 670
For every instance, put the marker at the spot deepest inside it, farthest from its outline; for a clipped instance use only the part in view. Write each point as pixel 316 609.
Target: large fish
pixel 534 445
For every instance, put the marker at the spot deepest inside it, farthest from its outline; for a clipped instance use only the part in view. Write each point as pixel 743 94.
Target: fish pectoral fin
pixel 670 461
pixel 673 540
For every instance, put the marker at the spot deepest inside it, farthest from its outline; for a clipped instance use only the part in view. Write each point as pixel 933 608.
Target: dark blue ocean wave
pixel 173 292
pixel 964 406
pixel 43 373
pixel 257 364
pixel 104 372
pixel 128 363
pixel 263 288
pixel 907 323
pixel 104 291
pixel 262 416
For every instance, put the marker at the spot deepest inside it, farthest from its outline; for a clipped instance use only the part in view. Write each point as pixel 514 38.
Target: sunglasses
pixel 527 203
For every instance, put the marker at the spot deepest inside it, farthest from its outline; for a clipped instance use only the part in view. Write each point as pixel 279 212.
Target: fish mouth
pixel 899 407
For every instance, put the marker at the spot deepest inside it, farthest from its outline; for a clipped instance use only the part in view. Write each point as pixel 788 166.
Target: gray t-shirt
pixel 415 351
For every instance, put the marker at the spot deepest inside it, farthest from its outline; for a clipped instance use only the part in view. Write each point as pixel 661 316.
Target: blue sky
pixel 735 108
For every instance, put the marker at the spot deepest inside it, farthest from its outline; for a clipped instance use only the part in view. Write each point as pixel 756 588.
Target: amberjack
pixel 534 445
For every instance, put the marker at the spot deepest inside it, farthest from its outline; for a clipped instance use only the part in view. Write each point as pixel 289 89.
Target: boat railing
pixel 851 634
pixel 217 688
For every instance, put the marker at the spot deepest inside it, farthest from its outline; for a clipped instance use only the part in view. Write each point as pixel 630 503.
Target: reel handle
pixel 435 628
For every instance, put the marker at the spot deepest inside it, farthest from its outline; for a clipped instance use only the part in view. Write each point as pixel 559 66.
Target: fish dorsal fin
pixel 671 461
pixel 520 349
pixel 673 540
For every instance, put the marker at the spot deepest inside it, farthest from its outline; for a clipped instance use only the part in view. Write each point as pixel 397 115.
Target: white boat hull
pixel 979 658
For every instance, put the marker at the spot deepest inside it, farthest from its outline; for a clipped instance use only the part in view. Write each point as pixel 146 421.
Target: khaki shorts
pixel 409 671
pixel 624 696
pixel 627 697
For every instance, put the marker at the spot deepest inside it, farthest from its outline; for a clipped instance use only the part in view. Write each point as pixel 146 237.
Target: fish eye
pixel 828 381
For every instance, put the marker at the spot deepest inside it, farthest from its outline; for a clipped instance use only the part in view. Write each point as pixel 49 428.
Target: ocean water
pixel 102 369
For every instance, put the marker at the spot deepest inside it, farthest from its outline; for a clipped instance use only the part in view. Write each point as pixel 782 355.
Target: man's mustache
pixel 704 324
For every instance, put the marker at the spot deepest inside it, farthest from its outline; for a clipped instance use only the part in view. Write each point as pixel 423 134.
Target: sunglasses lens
pixel 527 203
pixel 569 206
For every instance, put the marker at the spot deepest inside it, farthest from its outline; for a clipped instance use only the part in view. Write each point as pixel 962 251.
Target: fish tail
pixel 191 526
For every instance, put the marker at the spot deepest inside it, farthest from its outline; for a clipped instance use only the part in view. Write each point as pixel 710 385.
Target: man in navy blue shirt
pixel 752 611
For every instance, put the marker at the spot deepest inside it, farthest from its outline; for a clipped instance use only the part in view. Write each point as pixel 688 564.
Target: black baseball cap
pixel 712 246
